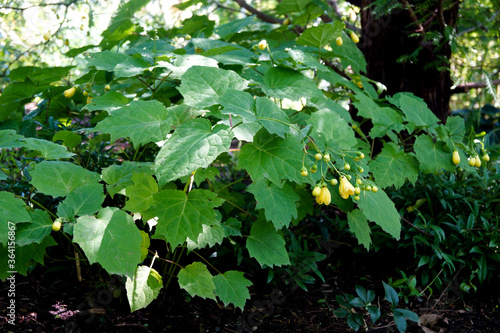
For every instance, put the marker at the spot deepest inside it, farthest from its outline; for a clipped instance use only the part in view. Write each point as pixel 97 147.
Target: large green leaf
pixel 118 177
pixel 378 208
pixel 197 25
pixel 272 117
pixel 233 27
pixel 149 49
pixel 141 121
pixel 210 236
pixel 358 224
pixel 232 227
pixel 141 193
pixel 111 239
pixel 321 35
pixel 121 64
pixel 182 113
pixel 121 24
pixel 225 53
pixel 182 216
pixel 185 61
pixel 329 125
pixel 40 76
pixel 202 86
pixel 279 203
pixel 143 288
pixel 195 144
pixel 283 82
pixel 273 158
pixel 9 139
pixel 26 257
pixel 349 54
pixel 415 109
pixel 59 179
pixel 86 200
pixel 384 118
pixel 453 132
pixel 393 166
pixel 232 287
pixel 304 60
pixel 197 280
pixel 12 210
pixel 432 155
pixel 109 102
pixel 14 96
pixel 267 245
pixel 35 231
pixel 49 150
pixel 292 6
pixel 69 138
pixel 239 103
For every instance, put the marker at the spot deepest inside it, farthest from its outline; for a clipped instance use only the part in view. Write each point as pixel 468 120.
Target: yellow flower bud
pixel 324 197
pixel 316 191
pixel 354 37
pixel 69 92
pixel 478 161
pixel 345 188
pixel 262 44
pixel 456 157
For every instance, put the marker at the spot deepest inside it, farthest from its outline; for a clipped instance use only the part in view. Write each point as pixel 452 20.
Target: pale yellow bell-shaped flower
pixel 345 188
pixel 324 198
pixel 69 92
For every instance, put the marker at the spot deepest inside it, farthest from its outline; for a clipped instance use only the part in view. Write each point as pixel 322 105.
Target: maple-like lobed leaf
pixel 182 216
pixel 110 239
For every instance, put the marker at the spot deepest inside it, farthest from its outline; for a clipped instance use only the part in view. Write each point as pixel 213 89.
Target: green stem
pixel 174 264
pixel 205 260
pixel 39 205
pixel 135 153
pixel 230 184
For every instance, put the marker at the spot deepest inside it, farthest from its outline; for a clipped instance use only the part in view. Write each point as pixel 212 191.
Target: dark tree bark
pixel 387 38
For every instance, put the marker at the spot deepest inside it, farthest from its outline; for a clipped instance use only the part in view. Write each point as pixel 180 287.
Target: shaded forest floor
pixel 52 300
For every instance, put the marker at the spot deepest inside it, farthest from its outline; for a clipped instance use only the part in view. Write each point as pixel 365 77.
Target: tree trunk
pixel 390 43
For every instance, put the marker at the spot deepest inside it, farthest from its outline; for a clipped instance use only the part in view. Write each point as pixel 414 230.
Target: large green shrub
pixel 195 137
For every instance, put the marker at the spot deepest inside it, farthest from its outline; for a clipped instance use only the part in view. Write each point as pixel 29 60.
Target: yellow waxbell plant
pixel 345 188
pixel 325 197
pixel 68 93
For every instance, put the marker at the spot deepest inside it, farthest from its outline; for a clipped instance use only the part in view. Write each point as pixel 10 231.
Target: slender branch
pixel 463 88
pixel 479 25
pixel 336 70
pixel 258 13
pixel 413 17
pixel 144 82
pixel 21 9
pixel 442 23
pixel 216 3
pixel 416 228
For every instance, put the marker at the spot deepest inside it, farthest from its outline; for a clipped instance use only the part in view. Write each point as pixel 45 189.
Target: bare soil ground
pixel 51 299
